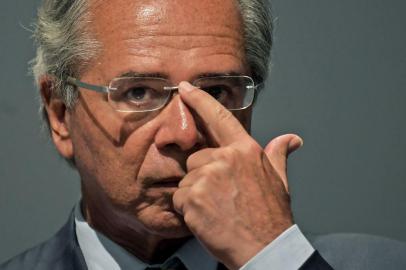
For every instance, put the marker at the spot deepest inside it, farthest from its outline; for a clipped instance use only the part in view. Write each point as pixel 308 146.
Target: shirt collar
pixel 102 253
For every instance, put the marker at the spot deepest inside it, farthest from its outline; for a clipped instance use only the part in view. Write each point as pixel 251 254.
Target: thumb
pixel 278 151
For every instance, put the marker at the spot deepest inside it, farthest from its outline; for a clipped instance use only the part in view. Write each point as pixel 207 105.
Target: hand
pixel 234 198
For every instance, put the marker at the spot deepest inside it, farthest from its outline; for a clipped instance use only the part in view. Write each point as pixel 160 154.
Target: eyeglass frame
pixel 106 89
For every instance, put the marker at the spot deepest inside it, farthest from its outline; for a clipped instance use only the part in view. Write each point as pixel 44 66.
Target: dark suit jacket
pixel 62 252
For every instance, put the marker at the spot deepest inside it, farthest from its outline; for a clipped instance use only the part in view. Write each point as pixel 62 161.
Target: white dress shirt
pixel 289 251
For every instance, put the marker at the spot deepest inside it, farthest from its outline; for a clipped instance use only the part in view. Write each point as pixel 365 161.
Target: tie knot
pixel 173 264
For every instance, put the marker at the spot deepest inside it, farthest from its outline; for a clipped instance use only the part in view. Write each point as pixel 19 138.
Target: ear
pixel 58 117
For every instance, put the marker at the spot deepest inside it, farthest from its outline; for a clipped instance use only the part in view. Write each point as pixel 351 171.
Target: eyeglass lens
pixel 134 94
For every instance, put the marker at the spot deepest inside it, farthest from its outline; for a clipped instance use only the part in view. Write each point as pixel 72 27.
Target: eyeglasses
pixel 144 94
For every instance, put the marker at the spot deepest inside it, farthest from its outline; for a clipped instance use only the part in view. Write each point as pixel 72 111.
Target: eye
pixel 219 92
pixel 137 94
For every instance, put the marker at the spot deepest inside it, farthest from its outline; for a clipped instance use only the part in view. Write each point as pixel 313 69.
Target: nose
pixel 178 128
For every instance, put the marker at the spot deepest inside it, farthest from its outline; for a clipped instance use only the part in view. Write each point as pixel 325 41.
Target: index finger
pixel 221 124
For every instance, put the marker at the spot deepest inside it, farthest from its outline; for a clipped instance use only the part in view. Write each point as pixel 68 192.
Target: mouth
pixel 171 182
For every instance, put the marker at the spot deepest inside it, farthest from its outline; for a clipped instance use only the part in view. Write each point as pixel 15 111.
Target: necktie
pixel 173 264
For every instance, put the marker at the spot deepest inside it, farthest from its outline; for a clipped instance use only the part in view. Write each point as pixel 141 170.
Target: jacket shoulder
pixel 361 251
pixel 61 252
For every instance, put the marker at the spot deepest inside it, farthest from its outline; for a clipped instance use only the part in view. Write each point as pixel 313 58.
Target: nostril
pixel 172 147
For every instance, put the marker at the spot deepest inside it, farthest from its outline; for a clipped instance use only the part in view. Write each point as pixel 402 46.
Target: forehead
pixel 184 13
pixel 157 31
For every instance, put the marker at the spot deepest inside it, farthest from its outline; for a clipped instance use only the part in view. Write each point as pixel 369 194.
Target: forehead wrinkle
pixel 162 62
pixel 147 44
pixel 130 27
pixel 199 29
pixel 184 41
pixel 164 29
pixel 183 46
pixel 151 54
pixel 160 28
pixel 191 37
pixel 142 17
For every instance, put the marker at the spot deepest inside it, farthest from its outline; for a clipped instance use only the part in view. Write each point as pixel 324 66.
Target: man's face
pixel 130 164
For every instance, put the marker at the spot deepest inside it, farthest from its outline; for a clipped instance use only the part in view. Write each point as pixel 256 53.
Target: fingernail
pixel 295 143
pixel 301 142
pixel 186 86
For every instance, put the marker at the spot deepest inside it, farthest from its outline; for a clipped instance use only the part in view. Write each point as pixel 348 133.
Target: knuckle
pixel 188 219
pixel 181 184
pixel 196 201
pixel 251 147
pixel 177 196
pixel 223 114
pixel 222 168
pixel 198 194
pixel 191 221
pixel 209 172
pixel 190 161
pixel 176 200
pixel 225 153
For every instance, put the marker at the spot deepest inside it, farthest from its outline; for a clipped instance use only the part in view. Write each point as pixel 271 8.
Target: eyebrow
pixel 165 76
pixel 138 74
pixel 214 74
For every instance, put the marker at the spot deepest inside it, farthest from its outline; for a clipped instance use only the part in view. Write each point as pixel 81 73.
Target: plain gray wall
pixel 338 79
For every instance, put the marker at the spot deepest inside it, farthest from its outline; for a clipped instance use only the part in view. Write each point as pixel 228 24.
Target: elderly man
pixel 151 101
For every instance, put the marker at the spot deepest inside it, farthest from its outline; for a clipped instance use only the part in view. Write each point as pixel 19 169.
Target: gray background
pixel 338 80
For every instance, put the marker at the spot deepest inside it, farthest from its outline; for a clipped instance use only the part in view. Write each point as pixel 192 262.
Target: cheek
pixel 109 154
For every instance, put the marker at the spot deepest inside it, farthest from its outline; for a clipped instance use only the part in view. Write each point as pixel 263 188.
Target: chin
pixel 154 217
pixel 166 224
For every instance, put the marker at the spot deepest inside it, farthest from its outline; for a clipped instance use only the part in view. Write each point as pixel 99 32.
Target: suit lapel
pixel 72 257
pixel 221 266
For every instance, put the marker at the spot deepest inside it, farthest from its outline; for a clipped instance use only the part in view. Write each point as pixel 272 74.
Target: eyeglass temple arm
pixel 174 88
pixel 259 86
pixel 97 88
pixel 105 89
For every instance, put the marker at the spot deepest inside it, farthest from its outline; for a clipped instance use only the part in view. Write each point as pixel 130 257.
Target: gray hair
pixel 65 46
pixel 258 27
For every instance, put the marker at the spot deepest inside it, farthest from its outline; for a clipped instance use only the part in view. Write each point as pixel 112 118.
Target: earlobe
pixel 58 117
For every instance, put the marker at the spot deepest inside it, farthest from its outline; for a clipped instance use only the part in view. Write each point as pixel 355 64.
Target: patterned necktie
pixel 173 264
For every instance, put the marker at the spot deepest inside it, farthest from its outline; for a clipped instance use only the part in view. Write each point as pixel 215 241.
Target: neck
pixel 153 251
